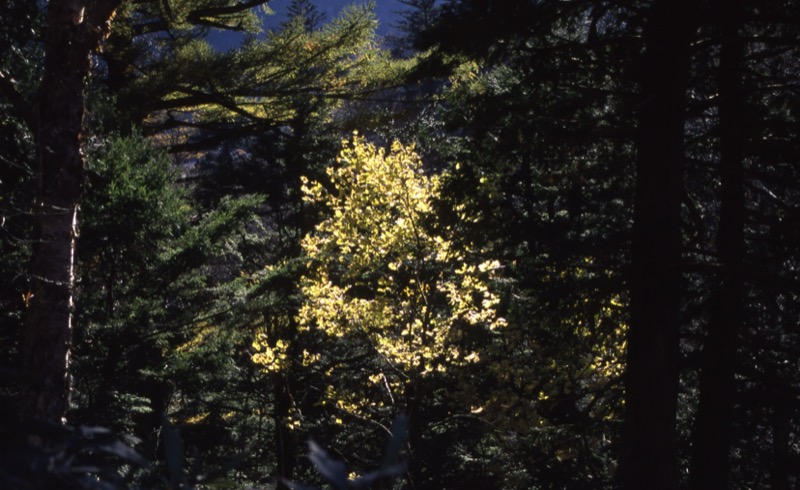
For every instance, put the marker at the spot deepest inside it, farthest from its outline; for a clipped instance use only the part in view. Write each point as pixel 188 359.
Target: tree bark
pixel 648 458
pixel 72 34
pixel 711 438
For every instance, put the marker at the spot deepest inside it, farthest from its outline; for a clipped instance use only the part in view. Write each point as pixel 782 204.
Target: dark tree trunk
pixel 416 443
pixel 648 458
pixel 781 444
pixel 711 438
pixel 283 328
pixel 286 446
pixel 72 34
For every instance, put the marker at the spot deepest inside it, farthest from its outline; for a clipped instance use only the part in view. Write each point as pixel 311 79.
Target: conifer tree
pixel 308 12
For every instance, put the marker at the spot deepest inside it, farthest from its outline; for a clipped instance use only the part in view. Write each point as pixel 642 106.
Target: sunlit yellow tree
pixel 384 275
pixel 383 271
pixel 379 268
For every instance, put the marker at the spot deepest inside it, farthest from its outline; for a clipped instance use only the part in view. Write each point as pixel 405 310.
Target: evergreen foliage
pixel 156 287
pixel 18 43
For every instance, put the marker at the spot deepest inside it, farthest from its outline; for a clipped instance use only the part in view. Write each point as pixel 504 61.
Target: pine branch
pixel 198 15
pixel 21 107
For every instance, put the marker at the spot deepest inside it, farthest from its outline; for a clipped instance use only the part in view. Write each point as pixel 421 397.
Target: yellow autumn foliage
pixel 379 270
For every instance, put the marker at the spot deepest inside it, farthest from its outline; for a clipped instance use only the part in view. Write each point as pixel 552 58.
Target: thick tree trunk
pixel 649 457
pixel 72 34
pixel 711 438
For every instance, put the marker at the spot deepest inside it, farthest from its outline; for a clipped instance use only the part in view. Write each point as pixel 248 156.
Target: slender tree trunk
pixel 286 446
pixel 72 34
pixel 416 476
pixel 649 456
pixel 711 438
pixel 283 328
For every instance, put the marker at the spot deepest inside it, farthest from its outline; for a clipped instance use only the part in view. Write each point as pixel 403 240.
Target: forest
pixel 517 244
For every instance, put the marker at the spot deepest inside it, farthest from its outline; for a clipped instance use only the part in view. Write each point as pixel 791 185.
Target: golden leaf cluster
pixel 380 268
